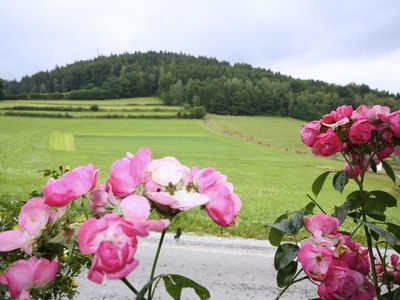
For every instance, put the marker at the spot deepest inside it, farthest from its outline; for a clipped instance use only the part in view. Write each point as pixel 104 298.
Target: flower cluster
pixel 120 210
pixel 363 135
pixel 392 270
pixel 335 261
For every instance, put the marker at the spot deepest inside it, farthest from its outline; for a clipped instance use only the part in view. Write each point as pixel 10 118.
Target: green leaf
pixel 142 292
pixel 395 295
pixel 389 237
pixel 396 248
pixel 319 183
pixel 284 255
pixel 297 219
pixel 340 180
pixel 389 171
pixel 373 166
pixel 285 276
pixel 387 199
pixel 285 226
pixel 275 236
pixel 174 284
pixel 340 213
pixel 394 228
pixel 309 209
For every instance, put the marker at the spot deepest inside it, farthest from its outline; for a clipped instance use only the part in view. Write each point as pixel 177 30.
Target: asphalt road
pixel 229 268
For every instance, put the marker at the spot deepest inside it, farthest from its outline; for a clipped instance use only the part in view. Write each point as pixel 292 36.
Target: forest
pixel 181 79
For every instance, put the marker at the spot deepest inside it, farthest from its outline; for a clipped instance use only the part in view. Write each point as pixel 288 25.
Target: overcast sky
pixel 340 41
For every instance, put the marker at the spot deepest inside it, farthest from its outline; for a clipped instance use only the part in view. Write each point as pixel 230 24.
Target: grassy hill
pixel 262 156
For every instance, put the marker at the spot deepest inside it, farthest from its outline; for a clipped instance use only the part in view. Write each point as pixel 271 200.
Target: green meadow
pixel 262 156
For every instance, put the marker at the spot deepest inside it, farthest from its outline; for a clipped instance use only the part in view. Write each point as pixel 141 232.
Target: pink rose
pixel 168 171
pixel 343 283
pixel 73 184
pixel 33 218
pixel 136 209
pixel 360 132
pixel 327 144
pixel 342 112
pixel 394 121
pixel 224 205
pixel 113 242
pixel 101 200
pixel 385 153
pixel 178 200
pixel 314 260
pixel 321 225
pixel 24 275
pixel 310 132
pixel 328 118
pixel 128 173
pixel 356 257
pixel 360 113
pixel 376 111
pixel 352 172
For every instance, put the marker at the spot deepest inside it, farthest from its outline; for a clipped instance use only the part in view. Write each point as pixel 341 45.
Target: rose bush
pixel 77 222
pixel 324 254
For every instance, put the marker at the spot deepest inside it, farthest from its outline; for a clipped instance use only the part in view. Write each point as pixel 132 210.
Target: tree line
pixel 180 79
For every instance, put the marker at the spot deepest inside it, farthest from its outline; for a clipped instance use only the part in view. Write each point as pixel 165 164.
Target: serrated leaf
pixel 285 276
pixel 389 170
pixel 389 237
pixel 319 183
pixel 284 255
pixel 340 180
pixel 275 236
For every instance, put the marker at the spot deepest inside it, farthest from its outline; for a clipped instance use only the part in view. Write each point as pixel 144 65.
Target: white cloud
pixel 308 38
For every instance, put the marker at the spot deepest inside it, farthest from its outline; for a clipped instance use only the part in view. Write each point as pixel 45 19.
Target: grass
pixel 271 170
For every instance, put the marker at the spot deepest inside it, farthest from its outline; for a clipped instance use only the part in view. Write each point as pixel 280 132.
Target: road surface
pixel 231 268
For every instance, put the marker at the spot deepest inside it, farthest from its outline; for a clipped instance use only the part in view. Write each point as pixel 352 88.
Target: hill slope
pixel 220 87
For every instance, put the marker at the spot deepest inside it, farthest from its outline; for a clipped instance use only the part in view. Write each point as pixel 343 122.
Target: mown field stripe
pixel 62 141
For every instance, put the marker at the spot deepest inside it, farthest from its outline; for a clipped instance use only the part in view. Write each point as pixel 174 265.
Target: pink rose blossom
pixel 360 132
pixel 101 200
pixel 128 173
pixel 33 218
pixel 385 153
pixel 113 242
pixel 356 257
pixel 360 113
pixel 343 283
pixel 327 144
pixel 310 132
pixel 342 112
pixel 224 205
pixel 321 225
pixel 314 260
pixel 136 209
pixel 394 121
pixel 376 111
pixel 328 118
pixel 71 185
pixel 168 171
pixel 24 275
pixel 352 172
